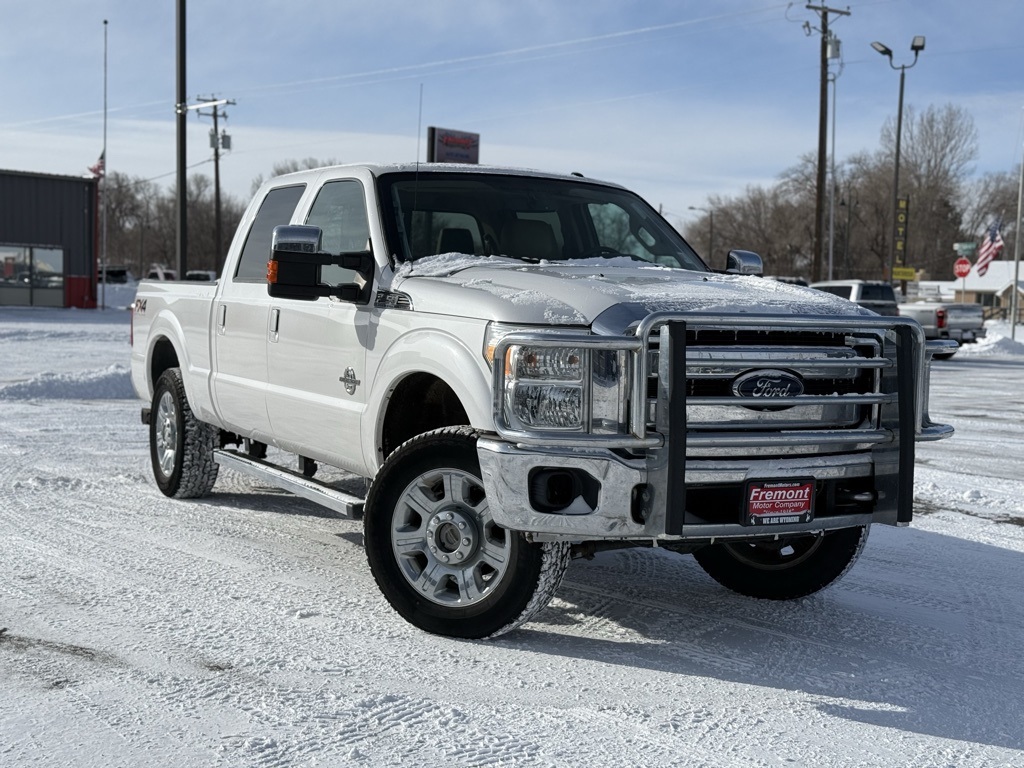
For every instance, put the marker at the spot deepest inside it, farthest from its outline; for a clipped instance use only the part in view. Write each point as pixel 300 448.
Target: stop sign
pixel 962 267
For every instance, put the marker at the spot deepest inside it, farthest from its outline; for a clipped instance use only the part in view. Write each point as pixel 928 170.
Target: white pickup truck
pixel 529 367
pixel 963 323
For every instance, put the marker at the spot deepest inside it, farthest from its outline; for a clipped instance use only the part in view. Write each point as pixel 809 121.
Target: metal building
pixel 48 240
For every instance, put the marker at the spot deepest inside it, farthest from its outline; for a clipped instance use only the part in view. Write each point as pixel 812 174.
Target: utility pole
pixel 103 178
pixel 181 142
pixel 218 141
pixel 819 200
pixel 1014 299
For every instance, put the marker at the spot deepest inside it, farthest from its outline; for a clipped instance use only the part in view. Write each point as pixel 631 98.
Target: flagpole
pixel 1014 300
pixel 103 179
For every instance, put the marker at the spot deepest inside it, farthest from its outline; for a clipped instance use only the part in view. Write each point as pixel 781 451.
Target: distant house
pixel 993 290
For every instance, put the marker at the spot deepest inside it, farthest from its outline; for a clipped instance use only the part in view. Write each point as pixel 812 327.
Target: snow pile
pixel 997 342
pixel 112 383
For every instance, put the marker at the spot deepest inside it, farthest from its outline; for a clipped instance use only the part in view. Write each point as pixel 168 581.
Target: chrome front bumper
pixel 506 470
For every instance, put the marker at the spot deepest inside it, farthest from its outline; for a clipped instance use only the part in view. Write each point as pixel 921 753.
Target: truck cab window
pixel 277 208
pixel 340 212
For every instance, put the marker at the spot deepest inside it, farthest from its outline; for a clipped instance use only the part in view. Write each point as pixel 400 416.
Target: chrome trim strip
pixel 749 532
pixel 788 362
pixel 821 467
pixel 784 438
pixel 798 400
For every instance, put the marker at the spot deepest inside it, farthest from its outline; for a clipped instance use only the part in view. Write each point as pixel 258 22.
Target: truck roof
pixel 377 169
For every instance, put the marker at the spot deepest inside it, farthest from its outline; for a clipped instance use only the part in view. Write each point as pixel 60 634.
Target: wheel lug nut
pixel 458 555
pixel 445 558
pixel 461 526
pixel 465 542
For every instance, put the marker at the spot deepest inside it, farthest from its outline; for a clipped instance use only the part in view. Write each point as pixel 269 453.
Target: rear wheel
pixel 435 551
pixel 180 446
pixel 783 569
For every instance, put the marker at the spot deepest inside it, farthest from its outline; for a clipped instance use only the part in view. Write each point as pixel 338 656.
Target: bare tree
pixel 994 195
pixel 940 148
pixel 291 166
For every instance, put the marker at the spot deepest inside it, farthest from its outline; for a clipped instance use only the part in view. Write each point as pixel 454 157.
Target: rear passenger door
pixel 241 317
pixel 317 349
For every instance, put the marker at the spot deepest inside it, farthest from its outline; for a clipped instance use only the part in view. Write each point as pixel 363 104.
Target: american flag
pixel 100 169
pixel 990 248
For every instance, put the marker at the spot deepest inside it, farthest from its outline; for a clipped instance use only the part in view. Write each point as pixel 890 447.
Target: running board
pixel 344 504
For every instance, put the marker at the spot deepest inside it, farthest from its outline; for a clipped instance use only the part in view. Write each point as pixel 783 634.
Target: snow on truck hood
pixel 577 292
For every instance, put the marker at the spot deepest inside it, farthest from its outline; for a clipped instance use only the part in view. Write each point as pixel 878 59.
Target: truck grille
pixel 756 393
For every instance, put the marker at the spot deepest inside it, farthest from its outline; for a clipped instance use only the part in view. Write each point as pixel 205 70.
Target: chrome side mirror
pixel 743 263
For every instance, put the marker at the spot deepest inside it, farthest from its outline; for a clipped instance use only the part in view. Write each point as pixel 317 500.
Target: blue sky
pixel 675 99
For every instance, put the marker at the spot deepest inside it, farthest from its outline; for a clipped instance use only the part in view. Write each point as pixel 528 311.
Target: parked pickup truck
pixel 876 295
pixel 529 367
pixel 963 323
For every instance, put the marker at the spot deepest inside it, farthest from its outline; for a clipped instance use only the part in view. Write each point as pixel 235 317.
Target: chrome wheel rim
pixel 447 546
pixel 166 434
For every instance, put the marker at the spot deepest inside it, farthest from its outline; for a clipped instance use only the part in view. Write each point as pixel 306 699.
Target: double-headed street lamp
pixel 916 45
pixel 711 233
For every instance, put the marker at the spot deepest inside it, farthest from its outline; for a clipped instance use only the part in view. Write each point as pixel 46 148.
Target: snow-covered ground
pixel 245 629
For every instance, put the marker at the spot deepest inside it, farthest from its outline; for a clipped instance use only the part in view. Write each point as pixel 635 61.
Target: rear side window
pixel 838 290
pixel 877 293
pixel 277 208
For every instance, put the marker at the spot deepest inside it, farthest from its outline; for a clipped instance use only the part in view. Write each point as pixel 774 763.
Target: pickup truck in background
pixel 876 295
pixel 526 368
pixel 962 323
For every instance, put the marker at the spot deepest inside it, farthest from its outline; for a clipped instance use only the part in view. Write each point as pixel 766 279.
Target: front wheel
pixel 786 568
pixel 436 553
pixel 180 446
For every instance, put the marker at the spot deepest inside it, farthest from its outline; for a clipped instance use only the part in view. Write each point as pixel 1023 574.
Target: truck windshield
pixel 531 219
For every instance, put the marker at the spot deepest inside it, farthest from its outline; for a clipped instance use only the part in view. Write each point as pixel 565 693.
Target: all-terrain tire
pixel 786 569
pixel 437 555
pixel 180 446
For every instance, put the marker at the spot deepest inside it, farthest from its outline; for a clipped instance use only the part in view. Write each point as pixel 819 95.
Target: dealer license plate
pixel 779 502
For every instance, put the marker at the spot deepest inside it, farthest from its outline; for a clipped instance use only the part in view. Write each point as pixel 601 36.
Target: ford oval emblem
pixel 767 384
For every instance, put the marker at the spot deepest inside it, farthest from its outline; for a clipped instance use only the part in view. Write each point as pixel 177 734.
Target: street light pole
pixel 916 45
pixel 711 228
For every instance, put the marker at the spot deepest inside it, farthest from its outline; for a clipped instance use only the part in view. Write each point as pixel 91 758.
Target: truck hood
pixel 619 291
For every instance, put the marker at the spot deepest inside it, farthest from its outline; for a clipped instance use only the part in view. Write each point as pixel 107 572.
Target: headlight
pixel 558 387
pixel 544 387
pixel 564 363
pixel 547 406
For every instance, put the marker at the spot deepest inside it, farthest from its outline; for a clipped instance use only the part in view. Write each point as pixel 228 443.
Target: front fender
pixel 455 359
